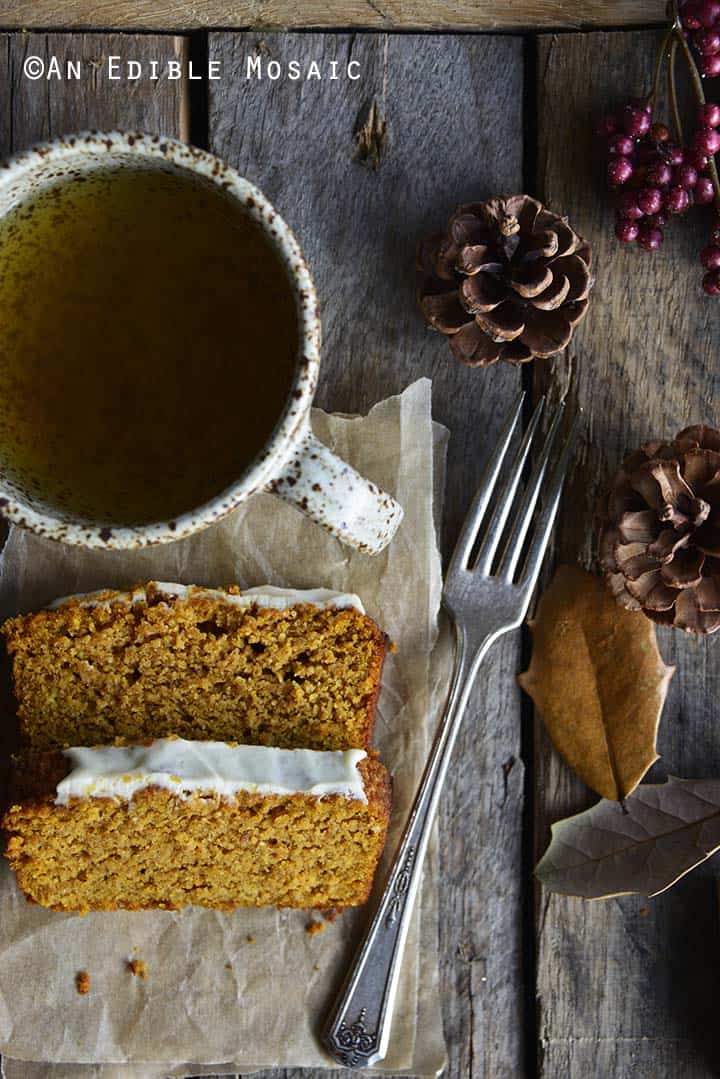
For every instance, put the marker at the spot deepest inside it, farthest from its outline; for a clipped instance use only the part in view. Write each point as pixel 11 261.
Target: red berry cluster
pixel 658 178
pixel 654 177
pixel 709 122
pixel 701 20
pixel 710 258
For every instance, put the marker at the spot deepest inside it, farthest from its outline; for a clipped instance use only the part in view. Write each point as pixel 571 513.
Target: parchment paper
pixel 229 992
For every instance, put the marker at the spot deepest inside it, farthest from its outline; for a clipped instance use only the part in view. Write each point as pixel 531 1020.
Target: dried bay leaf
pixel 661 833
pixel 598 680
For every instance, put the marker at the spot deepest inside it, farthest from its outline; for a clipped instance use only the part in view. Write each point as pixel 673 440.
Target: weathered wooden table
pixel 532 984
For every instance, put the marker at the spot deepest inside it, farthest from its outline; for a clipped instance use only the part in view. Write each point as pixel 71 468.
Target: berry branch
pixel 672 93
pixel 706 113
pixel 659 65
pixel 654 177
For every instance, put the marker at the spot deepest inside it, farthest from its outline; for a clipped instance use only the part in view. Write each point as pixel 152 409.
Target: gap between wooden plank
pixel 527 717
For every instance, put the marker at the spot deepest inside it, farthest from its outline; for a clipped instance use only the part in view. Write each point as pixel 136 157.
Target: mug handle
pixel 337 497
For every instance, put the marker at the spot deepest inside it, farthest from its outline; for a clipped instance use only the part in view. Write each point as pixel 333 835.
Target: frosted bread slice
pixel 266 666
pixel 174 823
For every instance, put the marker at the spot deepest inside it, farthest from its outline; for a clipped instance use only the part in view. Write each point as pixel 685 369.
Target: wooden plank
pixel 35 110
pixel 623 1057
pixel 452 109
pixel 370 14
pixel 625 986
pixel 32 111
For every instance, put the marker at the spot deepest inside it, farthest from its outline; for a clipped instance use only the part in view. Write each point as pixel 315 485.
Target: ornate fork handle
pixel 358 1029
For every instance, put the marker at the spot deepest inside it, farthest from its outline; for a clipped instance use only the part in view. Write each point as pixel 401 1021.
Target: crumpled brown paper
pixel 228 992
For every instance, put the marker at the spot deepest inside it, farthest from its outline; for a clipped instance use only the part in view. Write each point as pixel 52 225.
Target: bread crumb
pixel 228 966
pixel 332 914
pixel 250 939
pixel 138 968
pixel 82 982
pixel 312 928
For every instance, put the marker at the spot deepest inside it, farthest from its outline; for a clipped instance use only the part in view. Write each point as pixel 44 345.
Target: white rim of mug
pixel 291 424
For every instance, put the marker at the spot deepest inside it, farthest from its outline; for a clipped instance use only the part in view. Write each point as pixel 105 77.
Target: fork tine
pixel 523 517
pixel 480 502
pixel 493 532
pixel 541 537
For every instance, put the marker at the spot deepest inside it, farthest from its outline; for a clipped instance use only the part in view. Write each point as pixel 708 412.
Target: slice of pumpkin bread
pixel 266 666
pixel 174 823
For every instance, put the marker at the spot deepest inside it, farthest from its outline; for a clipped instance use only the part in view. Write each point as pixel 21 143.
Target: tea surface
pixel 148 339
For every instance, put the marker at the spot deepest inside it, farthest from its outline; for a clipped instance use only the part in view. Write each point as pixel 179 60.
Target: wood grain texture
pixel 626 986
pixel 33 111
pixel 371 14
pixel 452 110
pixel 30 112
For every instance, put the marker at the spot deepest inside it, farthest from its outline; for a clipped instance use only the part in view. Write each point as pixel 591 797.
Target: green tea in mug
pixel 148 341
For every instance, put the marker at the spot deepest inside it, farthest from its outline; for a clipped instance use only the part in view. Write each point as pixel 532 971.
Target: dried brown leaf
pixel 598 681
pixel 660 834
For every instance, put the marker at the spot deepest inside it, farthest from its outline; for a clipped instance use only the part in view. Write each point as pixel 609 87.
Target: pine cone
pixel 659 531
pixel 508 280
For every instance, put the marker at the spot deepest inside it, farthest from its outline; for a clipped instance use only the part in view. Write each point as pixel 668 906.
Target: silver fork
pixel 484 598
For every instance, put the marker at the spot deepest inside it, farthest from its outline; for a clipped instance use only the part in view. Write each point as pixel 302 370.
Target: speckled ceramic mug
pixel 293 463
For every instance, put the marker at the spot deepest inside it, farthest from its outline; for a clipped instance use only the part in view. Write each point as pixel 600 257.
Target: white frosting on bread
pixel 217 768
pixel 264 595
